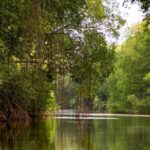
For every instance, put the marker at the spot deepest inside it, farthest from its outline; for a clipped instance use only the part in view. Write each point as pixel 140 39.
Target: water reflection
pixel 61 134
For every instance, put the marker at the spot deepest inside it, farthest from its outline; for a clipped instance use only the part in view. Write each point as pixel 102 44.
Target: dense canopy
pixel 54 56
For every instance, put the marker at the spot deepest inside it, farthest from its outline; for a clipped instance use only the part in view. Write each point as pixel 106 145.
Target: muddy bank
pixel 21 115
pixel 18 115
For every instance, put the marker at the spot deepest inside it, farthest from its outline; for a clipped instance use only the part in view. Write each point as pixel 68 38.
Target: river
pixel 69 133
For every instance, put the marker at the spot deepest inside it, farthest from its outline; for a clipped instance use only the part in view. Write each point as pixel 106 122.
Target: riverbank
pixel 23 116
pixel 18 115
pixel 73 113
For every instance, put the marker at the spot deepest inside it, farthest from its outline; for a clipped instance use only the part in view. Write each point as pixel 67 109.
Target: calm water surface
pixel 71 134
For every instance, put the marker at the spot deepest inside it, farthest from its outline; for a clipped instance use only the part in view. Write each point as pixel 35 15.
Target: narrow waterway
pixel 69 133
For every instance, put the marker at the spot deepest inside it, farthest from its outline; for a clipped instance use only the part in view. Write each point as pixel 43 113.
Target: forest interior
pixel 64 54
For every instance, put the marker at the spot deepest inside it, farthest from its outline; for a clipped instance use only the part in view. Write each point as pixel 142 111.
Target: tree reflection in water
pixel 71 134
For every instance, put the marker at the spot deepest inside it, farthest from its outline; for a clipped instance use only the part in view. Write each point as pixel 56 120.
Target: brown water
pixel 71 134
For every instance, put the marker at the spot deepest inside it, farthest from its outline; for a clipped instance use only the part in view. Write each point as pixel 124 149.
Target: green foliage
pixel 99 105
pixel 139 105
pixel 96 9
pixel 20 90
pixel 38 48
pixel 129 85
pixel 92 63
pixel 3 53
